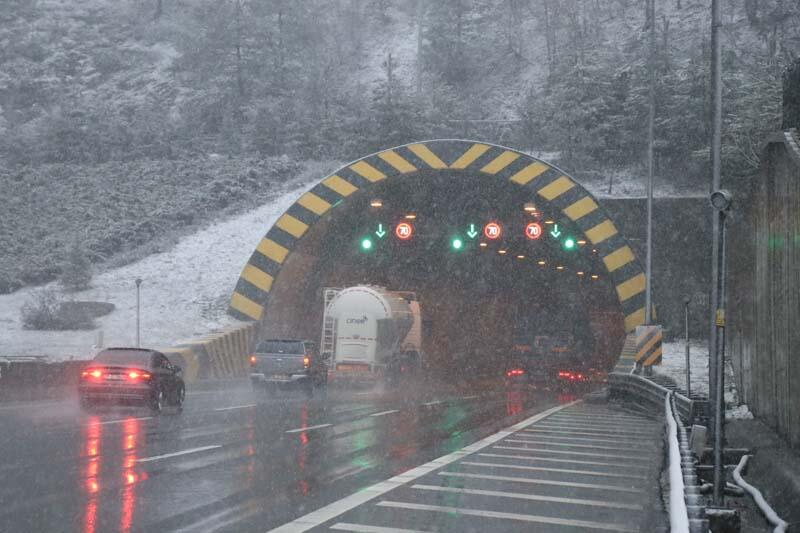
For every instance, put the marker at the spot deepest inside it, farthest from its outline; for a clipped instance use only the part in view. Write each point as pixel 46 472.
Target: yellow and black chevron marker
pixel 555 188
pixel 648 345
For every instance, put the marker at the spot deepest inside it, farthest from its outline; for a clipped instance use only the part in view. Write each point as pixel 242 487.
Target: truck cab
pixel 288 363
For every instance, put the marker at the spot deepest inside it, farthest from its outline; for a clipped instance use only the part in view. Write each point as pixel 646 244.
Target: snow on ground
pixel 184 291
pixel 673 364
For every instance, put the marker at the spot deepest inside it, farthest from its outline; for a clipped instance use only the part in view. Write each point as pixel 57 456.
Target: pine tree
pixel 76 273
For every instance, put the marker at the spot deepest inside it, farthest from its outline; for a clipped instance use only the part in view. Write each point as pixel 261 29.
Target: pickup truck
pixel 287 363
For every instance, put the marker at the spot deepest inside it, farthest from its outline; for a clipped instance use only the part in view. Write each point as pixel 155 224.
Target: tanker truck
pixel 371 334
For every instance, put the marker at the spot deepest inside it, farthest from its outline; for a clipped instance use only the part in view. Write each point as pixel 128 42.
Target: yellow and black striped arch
pixel 552 185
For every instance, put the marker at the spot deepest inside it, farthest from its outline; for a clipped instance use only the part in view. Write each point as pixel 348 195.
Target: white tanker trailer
pixel 371 333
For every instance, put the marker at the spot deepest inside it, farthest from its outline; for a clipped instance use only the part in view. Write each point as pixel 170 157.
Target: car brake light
pixel 92 373
pixel 515 372
pixel 133 375
pixel 252 360
pixel 306 361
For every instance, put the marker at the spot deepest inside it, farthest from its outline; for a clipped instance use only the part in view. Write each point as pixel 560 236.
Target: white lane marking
pixel 598 427
pixel 548 469
pixel 363 528
pixel 571 445
pixel 538 481
pixel 235 407
pixel 569 437
pixel 533 497
pixel 468 397
pixel 309 428
pixel 435 402
pixel 588 454
pixel 176 454
pixel 508 516
pixel 562 460
pixel 586 433
pixel 320 516
pixel 590 417
pixel 120 421
pixel 382 413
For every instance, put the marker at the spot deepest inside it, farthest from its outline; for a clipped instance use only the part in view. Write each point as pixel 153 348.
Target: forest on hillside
pixel 89 81
pixel 109 94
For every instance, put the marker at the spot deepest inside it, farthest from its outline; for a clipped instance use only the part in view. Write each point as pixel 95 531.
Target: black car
pixel 131 376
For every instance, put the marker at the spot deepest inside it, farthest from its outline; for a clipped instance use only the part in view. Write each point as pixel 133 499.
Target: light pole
pixel 686 302
pixel 721 201
pixel 138 338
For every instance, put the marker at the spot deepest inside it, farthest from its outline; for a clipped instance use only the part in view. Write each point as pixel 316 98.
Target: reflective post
pixel 138 338
pixel 688 359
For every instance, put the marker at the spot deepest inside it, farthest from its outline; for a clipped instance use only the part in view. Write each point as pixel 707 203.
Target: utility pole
pixel 138 329
pixel 716 346
pixel 648 302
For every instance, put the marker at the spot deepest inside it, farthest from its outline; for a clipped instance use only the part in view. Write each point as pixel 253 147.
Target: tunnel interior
pixel 478 298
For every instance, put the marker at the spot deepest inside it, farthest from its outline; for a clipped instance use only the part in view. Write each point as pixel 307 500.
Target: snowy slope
pixel 184 293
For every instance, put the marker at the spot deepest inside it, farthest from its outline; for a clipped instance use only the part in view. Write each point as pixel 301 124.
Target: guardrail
pixel 679 411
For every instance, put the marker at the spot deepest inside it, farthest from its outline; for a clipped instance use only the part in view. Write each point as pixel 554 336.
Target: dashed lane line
pixel 569 437
pixel 508 516
pixel 585 433
pixel 384 413
pixel 572 445
pixel 309 428
pixel 539 481
pixel 532 497
pixel 322 515
pixel 177 454
pixel 120 421
pixel 232 407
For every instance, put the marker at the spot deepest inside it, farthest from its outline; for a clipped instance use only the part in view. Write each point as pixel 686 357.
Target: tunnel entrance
pixel 479 295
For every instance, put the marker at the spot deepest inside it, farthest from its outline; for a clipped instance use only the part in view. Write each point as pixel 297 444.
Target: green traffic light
pixel 366 244
pixel 569 243
pixel 457 243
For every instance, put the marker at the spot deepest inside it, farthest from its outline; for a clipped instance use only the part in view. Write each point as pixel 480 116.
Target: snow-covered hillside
pixel 184 293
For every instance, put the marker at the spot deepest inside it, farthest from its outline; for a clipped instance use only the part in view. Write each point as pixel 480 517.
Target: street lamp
pixel 138 329
pixel 721 200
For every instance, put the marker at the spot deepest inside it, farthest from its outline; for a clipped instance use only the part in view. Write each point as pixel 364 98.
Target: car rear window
pixel 125 358
pixel 279 347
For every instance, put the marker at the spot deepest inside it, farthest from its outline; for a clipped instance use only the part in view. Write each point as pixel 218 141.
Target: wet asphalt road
pixel 233 460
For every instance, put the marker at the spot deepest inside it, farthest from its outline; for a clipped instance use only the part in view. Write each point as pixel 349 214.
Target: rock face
pixel 791 96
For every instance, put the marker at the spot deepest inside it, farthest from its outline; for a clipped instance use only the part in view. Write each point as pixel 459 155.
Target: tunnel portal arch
pixel 552 187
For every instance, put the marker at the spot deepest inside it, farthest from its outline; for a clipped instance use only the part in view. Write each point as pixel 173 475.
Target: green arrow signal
pixel 555 232
pixel 472 233
pixel 380 233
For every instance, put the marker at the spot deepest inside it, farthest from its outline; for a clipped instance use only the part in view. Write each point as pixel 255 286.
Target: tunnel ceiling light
pixel 580 272
pixel 595 276
pixel 541 262
pixel 520 257
pixel 501 252
pixel 483 245
pixel 594 250
pixel 559 267
pixel 549 222
pixel 411 216
pixel 376 202
pixel 581 242
pixel 529 207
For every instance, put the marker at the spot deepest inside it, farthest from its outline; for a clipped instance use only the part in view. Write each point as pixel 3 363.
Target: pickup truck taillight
pixel 306 361
pixel 253 360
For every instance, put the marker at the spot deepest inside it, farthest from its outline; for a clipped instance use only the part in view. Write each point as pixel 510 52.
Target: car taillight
pixel 135 375
pixel 92 373
pixel 563 374
pixel 306 362
pixel 515 372
pixel 253 360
